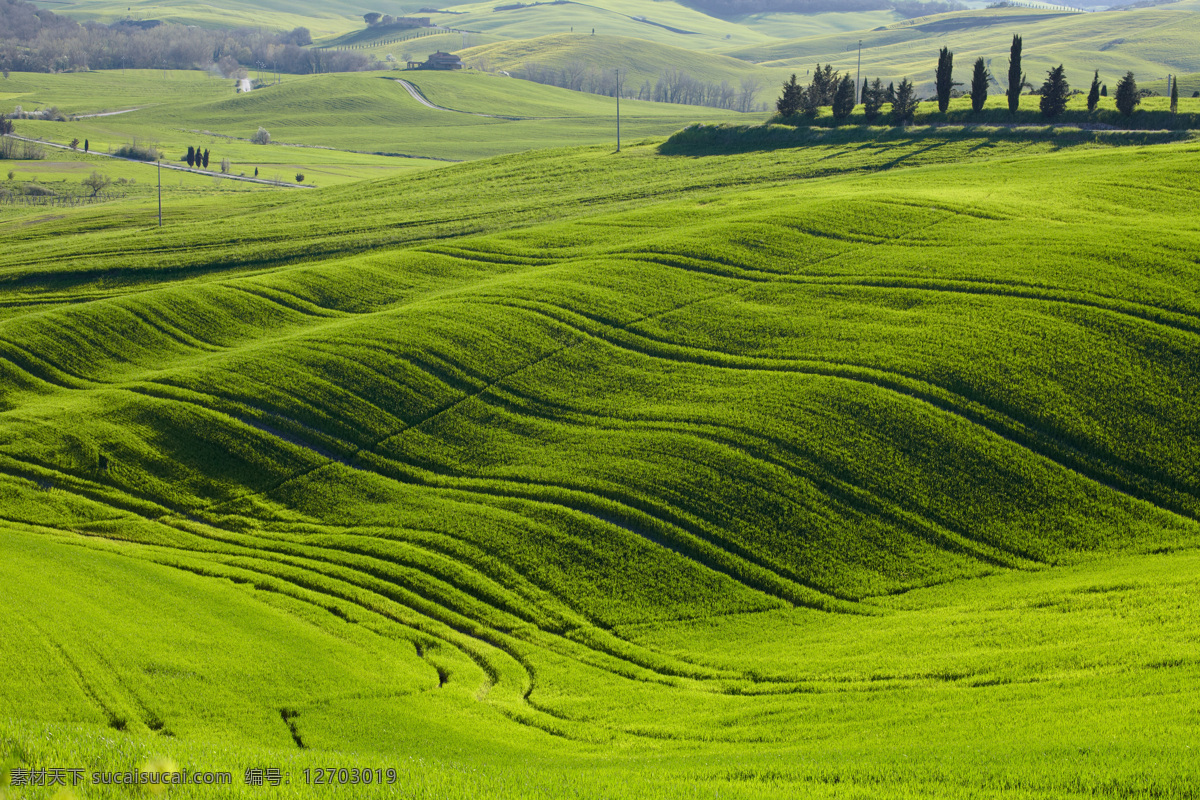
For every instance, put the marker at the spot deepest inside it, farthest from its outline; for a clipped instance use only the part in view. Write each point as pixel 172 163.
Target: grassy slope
pixel 534 424
pixel 692 29
pixel 638 59
pixel 354 114
pixel 321 19
pixel 1151 41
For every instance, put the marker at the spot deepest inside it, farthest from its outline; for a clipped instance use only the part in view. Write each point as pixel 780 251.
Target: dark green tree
pixel 980 79
pixel 1055 92
pixel 789 102
pixel 824 85
pixel 873 99
pixel 862 96
pixel 1016 78
pixel 945 78
pixel 1104 90
pixel 191 155
pixel 206 159
pixel 85 145
pixel 1127 95
pixel 1094 92
pixel 890 96
pixel 843 99
pixel 1174 94
pixel 905 105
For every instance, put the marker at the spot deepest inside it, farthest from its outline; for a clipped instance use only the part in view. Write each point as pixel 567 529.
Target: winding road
pixel 420 98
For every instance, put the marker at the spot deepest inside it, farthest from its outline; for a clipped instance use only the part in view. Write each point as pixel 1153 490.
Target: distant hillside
pixel 639 61
pixel 322 18
pixel 1151 42
pixel 662 21
pixel 734 8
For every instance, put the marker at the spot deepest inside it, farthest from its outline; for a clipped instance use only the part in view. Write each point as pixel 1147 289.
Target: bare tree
pixel 746 93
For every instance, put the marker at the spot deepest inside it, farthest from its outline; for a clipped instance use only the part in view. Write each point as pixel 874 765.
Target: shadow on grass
pixel 702 140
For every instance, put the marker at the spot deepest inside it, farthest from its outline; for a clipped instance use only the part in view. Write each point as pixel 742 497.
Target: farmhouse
pixel 438 60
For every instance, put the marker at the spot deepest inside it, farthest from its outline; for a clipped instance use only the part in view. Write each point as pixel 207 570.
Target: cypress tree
pixel 1127 95
pixel 1054 93
pixel 206 159
pixel 1016 78
pixel 862 97
pixel 1094 92
pixel 85 145
pixel 905 105
pixel 843 99
pixel 191 155
pixel 945 78
pixel 789 102
pixel 1174 94
pixel 873 99
pixel 890 96
pixel 1104 90
pixel 979 85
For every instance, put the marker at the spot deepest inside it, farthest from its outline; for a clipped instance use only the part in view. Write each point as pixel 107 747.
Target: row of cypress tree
pixel 197 157
pixel 829 88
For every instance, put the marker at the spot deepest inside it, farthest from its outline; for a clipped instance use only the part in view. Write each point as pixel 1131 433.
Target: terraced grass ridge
pixel 854 469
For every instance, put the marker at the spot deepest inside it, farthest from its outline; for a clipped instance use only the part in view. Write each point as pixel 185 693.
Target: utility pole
pixel 858 76
pixel 160 191
pixel 617 73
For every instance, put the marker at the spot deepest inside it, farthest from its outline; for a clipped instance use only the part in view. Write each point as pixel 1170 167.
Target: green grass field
pixel 858 469
pixel 340 127
pixel 1152 42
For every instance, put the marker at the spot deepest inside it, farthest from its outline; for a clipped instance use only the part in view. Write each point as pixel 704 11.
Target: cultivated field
pixel 864 468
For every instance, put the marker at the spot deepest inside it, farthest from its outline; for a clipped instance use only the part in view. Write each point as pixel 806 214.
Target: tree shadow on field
pixel 709 140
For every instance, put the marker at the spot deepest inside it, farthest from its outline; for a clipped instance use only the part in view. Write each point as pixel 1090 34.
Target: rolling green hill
pixel 1151 42
pixel 662 22
pixel 321 18
pixel 855 469
pixel 639 60
pixel 337 123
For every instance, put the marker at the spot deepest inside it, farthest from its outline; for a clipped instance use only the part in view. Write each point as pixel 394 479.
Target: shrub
pixel 224 165
pixel 261 136
pixel 299 177
pixel 138 151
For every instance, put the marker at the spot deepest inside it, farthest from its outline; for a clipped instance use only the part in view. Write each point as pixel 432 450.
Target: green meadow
pixel 335 128
pixel 1152 42
pixel 855 466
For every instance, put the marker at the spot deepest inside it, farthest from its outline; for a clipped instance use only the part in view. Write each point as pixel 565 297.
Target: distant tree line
pixel 671 86
pixel 829 88
pixel 38 40
pixel 906 8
